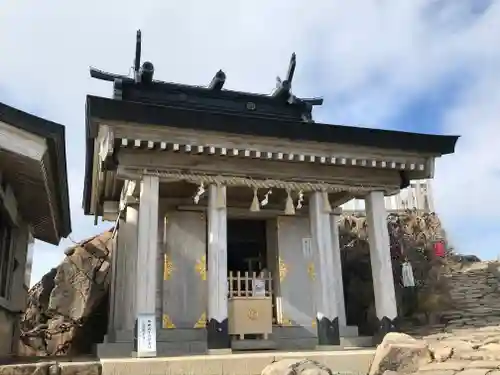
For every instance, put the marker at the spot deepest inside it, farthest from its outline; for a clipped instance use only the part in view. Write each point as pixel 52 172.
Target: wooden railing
pixel 250 304
pixel 241 284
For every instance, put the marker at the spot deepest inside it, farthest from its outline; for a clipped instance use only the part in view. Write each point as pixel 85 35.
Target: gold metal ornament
pixel 167 322
pixel 202 321
pixel 252 314
pixel 283 269
pixel 168 267
pixel 311 271
pixel 201 267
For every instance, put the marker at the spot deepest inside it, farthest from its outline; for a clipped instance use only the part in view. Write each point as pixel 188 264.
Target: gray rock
pixel 294 366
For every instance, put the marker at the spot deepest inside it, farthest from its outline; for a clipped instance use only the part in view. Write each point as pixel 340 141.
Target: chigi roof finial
pixel 142 73
pixel 137 60
pixel 142 87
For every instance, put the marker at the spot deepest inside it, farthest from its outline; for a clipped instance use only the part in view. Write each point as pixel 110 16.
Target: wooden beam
pixel 22 142
pixel 259 168
pixel 378 161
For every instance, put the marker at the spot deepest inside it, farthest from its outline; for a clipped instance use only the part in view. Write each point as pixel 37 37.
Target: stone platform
pixel 175 342
pixel 355 361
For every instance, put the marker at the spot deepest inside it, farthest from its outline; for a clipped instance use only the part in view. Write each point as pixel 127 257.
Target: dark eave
pixel 54 134
pixel 119 110
pixel 104 109
pixel 204 99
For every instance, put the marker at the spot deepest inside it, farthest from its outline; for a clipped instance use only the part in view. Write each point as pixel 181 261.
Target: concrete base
pixel 149 355
pixel 347 361
pixel 329 348
pixel 348 331
pixel 357 342
pixel 219 351
pixel 170 342
pixel 257 344
pixel 179 342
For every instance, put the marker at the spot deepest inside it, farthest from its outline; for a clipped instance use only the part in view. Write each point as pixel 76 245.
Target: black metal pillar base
pixel 384 326
pixel 218 334
pixel 328 331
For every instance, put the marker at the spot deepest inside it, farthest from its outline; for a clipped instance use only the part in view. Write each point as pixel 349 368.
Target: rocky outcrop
pixel 400 353
pixel 471 351
pixel 66 312
pixel 294 366
pixel 51 367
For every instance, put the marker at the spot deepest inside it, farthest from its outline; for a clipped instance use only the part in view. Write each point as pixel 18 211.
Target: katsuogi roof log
pixel 143 88
pixel 218 81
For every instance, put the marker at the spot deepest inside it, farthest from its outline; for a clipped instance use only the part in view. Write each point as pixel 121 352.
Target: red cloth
pixel 439 250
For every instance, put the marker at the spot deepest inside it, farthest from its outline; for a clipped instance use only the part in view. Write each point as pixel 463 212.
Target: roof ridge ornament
pixel 142 87
pixel 142 73
pixel 283 92
pixel 283 88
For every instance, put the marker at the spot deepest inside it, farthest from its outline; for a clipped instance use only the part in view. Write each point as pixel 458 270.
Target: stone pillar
pixel 380 256
pixel 128 233
pixel 325 289
pixel 217 329
pixel 337 270
pixel 147 247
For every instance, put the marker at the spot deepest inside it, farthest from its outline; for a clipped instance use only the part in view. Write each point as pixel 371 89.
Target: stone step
pixel 348 331
pixel 125 349
pixel 252 344
pixel 357 342
pixel 165 335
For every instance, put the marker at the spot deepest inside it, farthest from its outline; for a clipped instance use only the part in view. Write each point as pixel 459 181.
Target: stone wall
pixel 474 289
pixel 475 293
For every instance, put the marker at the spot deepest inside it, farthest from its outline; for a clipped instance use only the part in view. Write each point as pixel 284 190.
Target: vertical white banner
pixel 146 335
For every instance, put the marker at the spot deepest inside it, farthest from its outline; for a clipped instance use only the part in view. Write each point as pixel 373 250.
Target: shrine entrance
pixel 250 294
pixel 246 245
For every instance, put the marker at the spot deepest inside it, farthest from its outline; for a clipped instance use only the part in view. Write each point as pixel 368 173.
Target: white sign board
pixel 307 247
pixel 146 335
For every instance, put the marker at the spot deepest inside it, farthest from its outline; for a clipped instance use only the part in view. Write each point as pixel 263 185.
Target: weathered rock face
pixel 471 351
pixel 67 310
pixel 294 366
pixel 400 353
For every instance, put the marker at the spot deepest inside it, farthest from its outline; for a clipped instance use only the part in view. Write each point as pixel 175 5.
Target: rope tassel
pixel 255 207
pixel 289 208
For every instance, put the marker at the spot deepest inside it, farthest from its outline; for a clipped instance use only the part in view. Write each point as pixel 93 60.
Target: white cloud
pixel 369 58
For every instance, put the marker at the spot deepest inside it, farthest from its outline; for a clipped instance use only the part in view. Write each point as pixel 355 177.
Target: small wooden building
pixel 218 192
pixel 34 204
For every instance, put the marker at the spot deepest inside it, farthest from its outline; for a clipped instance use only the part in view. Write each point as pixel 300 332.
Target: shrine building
pixel 34 205
pixel 226 205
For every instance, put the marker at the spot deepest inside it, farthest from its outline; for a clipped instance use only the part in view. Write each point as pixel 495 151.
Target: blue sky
pixel 420 65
